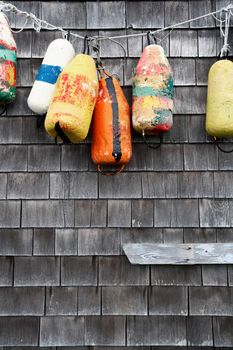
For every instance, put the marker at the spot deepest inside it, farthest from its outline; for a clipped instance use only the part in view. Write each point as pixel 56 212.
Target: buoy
pixel 7 62
pixel 59 53
pixel 219 109
pixel 152 92
pixel 70 111
pixel 111 135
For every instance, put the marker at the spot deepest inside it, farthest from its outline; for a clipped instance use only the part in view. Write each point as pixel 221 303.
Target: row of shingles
pixel 169 213
pixel 70 242
pixel 186 129
pixel 81 185
pixel 170 157
pixel 116 330
pixel 104 14
pixel 134 300
pixel 101 241
pixel 109 242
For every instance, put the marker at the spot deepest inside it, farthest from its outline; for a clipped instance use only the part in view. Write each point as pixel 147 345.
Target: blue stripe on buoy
pixel 48 73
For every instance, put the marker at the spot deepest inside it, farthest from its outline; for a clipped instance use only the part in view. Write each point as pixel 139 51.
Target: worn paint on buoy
pixel 153 92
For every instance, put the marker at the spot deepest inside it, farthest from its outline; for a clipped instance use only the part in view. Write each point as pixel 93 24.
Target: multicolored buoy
pixel 111 135
pixel 59 53
pixel 7 62
pixel 70 111
pixel 153 92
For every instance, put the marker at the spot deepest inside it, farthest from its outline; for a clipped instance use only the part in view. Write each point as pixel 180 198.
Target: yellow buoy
pixel 73 102
pixel 219 110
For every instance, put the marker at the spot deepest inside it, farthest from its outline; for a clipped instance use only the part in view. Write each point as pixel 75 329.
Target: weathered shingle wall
pixel 64 280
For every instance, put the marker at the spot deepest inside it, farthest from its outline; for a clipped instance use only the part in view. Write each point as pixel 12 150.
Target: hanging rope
pixel 39 24
pixel 224 34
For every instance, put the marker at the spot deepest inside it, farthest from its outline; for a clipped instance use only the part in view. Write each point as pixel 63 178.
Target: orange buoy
pixel 111 134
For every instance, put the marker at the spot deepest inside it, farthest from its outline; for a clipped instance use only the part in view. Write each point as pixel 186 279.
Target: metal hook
pixel 86 48
pixel 150 36
pixel 67 35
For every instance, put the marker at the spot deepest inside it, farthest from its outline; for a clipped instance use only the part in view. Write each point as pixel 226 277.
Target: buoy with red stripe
pixel 153 93
pixel 70 111
pixel 59 53
pixel 111 135
pixel 7 62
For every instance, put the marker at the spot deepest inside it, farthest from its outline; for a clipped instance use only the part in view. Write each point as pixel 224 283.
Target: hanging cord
pixel 3 109
pixel 151 145
pixel 66 35
pixel 224 34
pixel 94 45
pixel 102 172
pixel 21 29
pixel 217 141
pixel 61 135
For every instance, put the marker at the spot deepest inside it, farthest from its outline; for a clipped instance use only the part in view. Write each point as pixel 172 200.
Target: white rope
pixel 39 24
pixel 224 34
pixel 21 29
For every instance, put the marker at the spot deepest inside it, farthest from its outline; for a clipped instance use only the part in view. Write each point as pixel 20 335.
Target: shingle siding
pixel 64 280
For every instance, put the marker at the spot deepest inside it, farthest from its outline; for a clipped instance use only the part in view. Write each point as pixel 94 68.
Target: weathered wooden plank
pixel 179 254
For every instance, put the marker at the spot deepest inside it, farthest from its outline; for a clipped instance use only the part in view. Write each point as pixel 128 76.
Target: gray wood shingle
pixel 117 271
pixel 142 213
pixel 211 301
pixel 79 271
pixel 176 12
pixel 168 301
pixel 6 271
pixel 10 213
pixel 27 186
pixel 43 242
pixel 127 301
pixel 156 330
pixel 16 242
pixel 24 331
pixel 119 213
pixel 73 14
pixel 144 14
pixel 61 331
pixel 66 242
pixel 89 301
pixel 98 241
pixel 105 330
pixel 126 186
pixel 159 185
pixel 176 275
pixel 183 43
pixel 199 331
pixel 36 271
pixel 47 213
pixel 105 14
pixel 13 158
pixel 198 8
pixel 61 301
pixel 223 335
pixel 22 301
